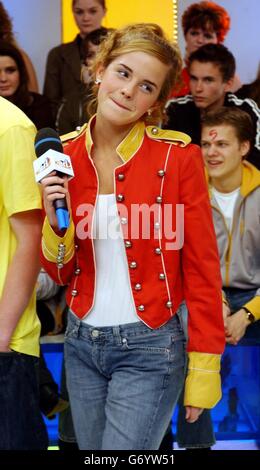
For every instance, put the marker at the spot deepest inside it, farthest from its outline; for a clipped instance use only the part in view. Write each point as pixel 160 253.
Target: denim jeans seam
pixel 154 415
pixel 149 350
pixel 161 387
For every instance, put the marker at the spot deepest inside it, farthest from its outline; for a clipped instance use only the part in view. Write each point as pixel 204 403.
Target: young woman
pixel 14 87
pixel 6 34
pixel 64 62
pixel 140 240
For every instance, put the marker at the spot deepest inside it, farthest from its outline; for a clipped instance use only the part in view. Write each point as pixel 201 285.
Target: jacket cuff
pixel 56 249
pixel 254 306
pixel 203 383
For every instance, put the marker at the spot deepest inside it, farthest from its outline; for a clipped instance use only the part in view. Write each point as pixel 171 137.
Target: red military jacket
pixel 168 262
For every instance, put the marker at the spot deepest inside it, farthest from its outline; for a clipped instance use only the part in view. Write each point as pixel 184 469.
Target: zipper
pixel 229 233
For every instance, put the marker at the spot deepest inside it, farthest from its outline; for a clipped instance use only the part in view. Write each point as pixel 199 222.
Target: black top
pixel 39 111
pixel 184 115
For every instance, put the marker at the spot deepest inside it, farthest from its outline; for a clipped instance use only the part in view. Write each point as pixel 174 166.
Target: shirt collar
pixel 129 145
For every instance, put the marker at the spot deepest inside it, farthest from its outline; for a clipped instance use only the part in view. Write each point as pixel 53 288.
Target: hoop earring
pixel 97 81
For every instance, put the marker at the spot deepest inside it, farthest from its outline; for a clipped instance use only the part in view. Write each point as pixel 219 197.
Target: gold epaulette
pixel 171 137
pixel 66 138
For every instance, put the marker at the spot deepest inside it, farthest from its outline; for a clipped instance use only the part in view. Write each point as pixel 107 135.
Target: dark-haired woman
pixel 14 87
pixel 6 34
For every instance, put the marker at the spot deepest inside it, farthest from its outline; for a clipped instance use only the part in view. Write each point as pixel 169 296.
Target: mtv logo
pixel 52 161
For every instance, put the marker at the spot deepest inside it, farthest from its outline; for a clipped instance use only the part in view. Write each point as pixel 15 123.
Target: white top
pixel 226 203
pixel 113 303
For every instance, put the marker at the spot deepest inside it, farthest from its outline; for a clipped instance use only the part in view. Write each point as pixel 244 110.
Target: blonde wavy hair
pixel 139 37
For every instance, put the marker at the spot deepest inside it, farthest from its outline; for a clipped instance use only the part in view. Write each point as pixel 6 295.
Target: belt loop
pixel 117 334
pixel 76 328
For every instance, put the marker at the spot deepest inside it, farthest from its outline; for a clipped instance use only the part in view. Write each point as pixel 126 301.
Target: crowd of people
pixel 137 289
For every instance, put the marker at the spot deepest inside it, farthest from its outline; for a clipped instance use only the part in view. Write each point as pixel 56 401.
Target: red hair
pixel 207 16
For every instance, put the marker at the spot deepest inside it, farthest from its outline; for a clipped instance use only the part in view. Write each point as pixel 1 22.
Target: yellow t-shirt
pixel 18 193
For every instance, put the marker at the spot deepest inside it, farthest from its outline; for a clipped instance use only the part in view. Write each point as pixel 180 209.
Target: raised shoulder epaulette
pixel 67 138
pixel 171 137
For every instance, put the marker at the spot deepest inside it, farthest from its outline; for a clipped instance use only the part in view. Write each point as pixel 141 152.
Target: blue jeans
pixel 21 423
pixel 201 434
pixel 123 382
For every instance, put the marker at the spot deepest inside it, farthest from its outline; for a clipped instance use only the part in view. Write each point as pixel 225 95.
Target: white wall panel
pixel 37 24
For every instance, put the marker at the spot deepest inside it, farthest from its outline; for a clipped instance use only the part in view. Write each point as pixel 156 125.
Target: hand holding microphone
pixel 55 190
pixel 50 169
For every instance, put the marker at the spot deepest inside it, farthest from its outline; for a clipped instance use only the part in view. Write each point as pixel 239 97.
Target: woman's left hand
pixel 192 413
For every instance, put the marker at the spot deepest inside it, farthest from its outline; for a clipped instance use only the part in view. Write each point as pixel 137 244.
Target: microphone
pixel 50 157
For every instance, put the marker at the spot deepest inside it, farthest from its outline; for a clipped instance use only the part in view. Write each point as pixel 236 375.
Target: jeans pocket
pixel 156 342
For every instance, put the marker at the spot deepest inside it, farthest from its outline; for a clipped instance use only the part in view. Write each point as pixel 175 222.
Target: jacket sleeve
pixel 52 81
pixel 202 286
pixel 254 305
pixel 58 253
pixel 68 115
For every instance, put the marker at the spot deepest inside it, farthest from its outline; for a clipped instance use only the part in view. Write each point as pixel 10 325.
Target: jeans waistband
pixel 237 290
pixel 129 329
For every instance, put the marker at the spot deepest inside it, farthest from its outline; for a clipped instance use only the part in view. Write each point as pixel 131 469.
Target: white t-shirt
pixel 113 303
pixel 226 203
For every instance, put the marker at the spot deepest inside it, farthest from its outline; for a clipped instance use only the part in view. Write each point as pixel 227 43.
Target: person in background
pixel 234 188
pixel 212 69
pixel 122 397
pixel 64 62
pixel 73 111
pixel 21 423
pixel 14 87
pixel 202 23
pixel 234 185
pixel 6 34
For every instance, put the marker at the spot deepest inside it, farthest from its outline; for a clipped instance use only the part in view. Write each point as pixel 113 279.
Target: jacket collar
pixel 250 179
pixel 129 145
